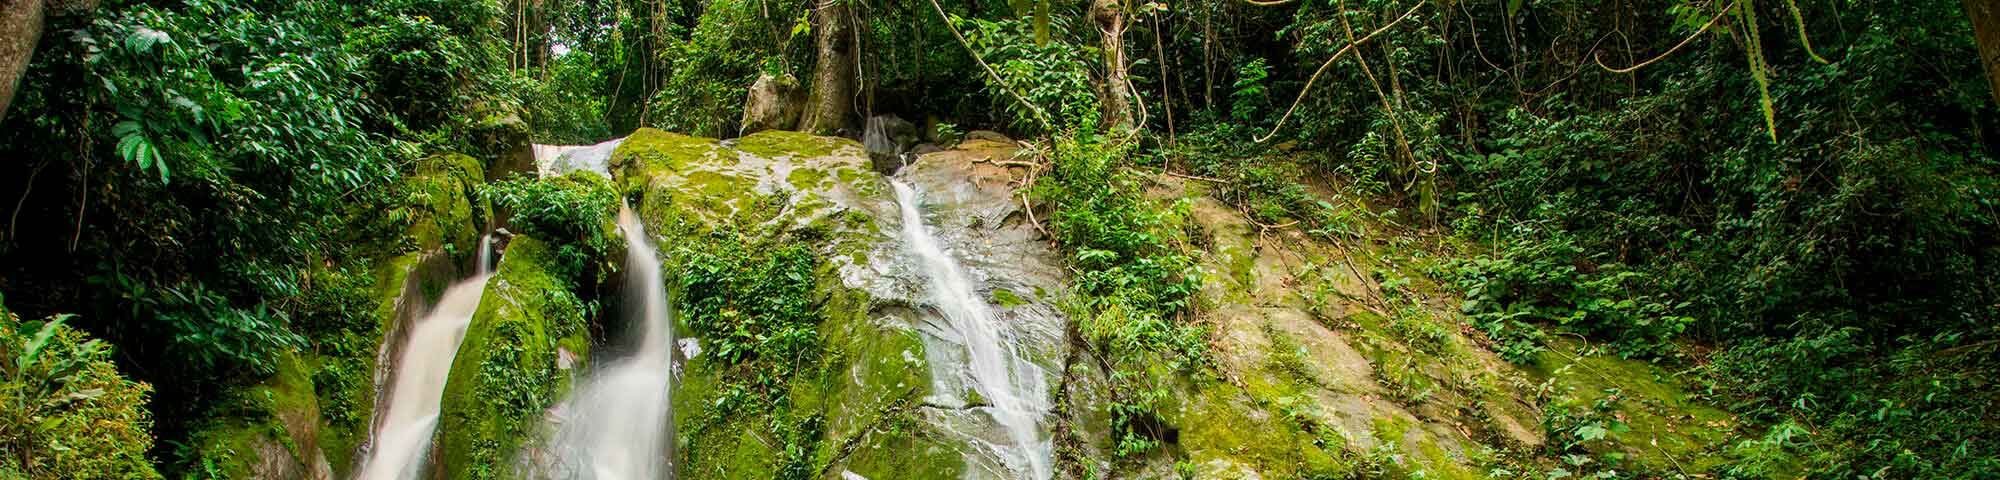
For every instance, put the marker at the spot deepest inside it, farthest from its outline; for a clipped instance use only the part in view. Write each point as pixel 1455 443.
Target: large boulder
pixel 442 208
pixel 507 369
pixel 506 142
pixel 774 103
pixel 269 430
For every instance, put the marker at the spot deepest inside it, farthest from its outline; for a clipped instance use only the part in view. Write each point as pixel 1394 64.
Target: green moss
pixel 1434 462
pixel 867 185
pixel 441 211
pixel 505 373
pixel 282 410
pixel 899 447
pixel 719 192
pixel 803 179
pixel 650 152
pixel 1007 298
pixel 1217 425
pixel 1670 428
pixel 779 143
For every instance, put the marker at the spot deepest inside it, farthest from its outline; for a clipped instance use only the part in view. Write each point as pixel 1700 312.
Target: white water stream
pixel 1011 385
pixel 622 425
pixel 417 388
pixel 553 160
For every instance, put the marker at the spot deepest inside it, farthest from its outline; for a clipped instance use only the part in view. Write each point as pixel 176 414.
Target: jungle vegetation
pixel 1792 203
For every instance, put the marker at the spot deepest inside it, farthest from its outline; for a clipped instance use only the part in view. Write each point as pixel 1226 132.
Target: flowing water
pixel 1011 385
pixel 417 386
pixel 552 160
pixel 623 414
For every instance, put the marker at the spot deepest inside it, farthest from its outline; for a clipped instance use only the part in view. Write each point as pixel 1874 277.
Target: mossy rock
pixel 506 140
pixel 778 143
pixel 403 288
pixel 267 430
pixel 443 208
pixel 649 152
pixel 505 375
pixel 1670 429
pixel 853 408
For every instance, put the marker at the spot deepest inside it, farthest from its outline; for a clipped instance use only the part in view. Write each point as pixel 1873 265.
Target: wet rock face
pixel 889 410
pixel 972 208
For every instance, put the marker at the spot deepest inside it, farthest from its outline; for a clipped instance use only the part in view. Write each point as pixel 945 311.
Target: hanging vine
pixel 1745 12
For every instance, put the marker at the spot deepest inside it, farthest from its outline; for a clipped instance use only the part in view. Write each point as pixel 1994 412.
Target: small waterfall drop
pixel 417 387
pixel 553 160
pixel 1011 385
pixel 623 422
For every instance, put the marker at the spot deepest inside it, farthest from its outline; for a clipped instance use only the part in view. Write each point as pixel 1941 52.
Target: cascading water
pixel 417 388
pixel 552 160
pixel 1012 385
pixel 624 413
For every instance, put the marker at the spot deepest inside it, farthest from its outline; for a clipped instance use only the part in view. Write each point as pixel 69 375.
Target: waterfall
pixel 553 160
pixel 417 386
pixel 1011 385
pixel 624 413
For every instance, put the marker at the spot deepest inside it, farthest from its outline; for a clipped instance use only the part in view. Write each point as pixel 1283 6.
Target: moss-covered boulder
pixel 506 372
pixel 853 401
pixel 269 430
pixel 506 141
pixel 444 209
pixel 1322 371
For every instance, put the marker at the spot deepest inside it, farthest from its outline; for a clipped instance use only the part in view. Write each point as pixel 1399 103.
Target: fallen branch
pixel 1030 208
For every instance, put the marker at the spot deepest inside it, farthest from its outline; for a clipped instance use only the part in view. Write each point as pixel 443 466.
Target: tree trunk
pixel 538 35
pixel 1986 29
pixel 639 76
pixel 20 29
pixel 830 107
pixel 1116 96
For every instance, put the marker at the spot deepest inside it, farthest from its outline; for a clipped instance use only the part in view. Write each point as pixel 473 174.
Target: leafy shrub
pixel 1134 282
pixel 750 304
pixel 573 212
pixel 65 412
pixel 1117 239
pixel 1054 75
pixel 1571 423
pixel 1542 282
pixel 415 67
pixel 223 146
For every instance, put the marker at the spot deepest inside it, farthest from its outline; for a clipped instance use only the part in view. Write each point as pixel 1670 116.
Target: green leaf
pixel 41 339
pixel 1591 432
